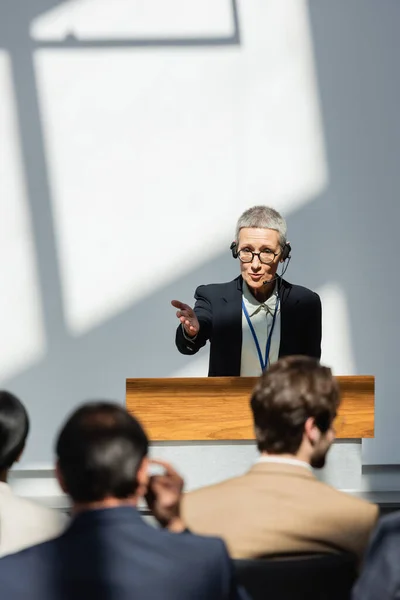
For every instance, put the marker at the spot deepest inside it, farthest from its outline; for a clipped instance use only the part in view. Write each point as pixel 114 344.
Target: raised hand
pixel 164 495
pixel 187 317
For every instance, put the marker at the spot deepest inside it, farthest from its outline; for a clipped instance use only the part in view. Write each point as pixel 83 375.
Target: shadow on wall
pixel 345 236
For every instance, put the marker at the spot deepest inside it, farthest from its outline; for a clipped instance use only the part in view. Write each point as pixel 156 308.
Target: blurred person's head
pixel 102 456
pixel 14 428
pixel 294 404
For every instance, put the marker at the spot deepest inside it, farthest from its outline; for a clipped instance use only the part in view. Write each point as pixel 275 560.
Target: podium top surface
pixel 217 408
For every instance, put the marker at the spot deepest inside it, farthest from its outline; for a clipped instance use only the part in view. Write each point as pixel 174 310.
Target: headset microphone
pixel 270 280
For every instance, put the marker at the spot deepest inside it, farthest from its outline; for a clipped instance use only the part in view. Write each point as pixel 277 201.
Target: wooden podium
pixel 217 408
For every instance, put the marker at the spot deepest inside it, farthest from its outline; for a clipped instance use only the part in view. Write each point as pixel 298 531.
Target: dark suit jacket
pixel 112 554
pixel 380 577
pixel 219 311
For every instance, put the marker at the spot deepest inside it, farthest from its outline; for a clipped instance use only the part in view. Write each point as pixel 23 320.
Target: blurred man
pixel 258 317
pixel 279 507
pixel 109 552
pixel 380 578
pixel 22 523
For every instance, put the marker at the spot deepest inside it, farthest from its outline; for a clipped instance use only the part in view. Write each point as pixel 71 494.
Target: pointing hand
pixel 187 317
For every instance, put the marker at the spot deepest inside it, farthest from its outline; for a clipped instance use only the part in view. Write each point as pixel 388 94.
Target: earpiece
pixel 286 252
pixel 233 248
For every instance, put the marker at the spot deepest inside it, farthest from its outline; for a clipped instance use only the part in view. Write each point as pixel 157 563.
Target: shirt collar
pixel 285 461
pixel 253 306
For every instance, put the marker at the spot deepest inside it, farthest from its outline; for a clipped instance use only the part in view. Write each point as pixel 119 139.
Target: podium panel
pixel 217 408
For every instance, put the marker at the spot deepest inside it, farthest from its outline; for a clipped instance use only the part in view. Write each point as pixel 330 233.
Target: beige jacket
pixel 279 508
pixel 24 523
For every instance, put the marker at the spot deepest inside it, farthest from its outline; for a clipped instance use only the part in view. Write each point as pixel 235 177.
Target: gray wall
pixel 356 50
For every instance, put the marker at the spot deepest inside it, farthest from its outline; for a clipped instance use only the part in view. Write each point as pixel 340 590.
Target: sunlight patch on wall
pixel 22 335
pixel 336 331
pixel 197 366
pixel 153 153
pixel 142 171
pixel 282 154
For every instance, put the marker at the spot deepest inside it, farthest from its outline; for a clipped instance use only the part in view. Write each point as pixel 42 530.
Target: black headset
pixel 286 250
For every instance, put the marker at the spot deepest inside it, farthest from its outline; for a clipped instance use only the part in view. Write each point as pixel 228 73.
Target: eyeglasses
pixel 266 257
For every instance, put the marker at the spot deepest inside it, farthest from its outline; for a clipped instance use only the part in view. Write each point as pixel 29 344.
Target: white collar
pixel 285 461
pixel 253 305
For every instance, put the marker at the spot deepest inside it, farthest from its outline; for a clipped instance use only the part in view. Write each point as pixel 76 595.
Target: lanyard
pixel 263 362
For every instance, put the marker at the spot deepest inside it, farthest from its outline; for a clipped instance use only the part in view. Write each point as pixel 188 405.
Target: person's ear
pixel 60 478
pixel 142 477
pixel 311 430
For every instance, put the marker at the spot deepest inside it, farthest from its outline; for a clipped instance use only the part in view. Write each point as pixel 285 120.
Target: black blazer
pixel 219 311
pixel 112 554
